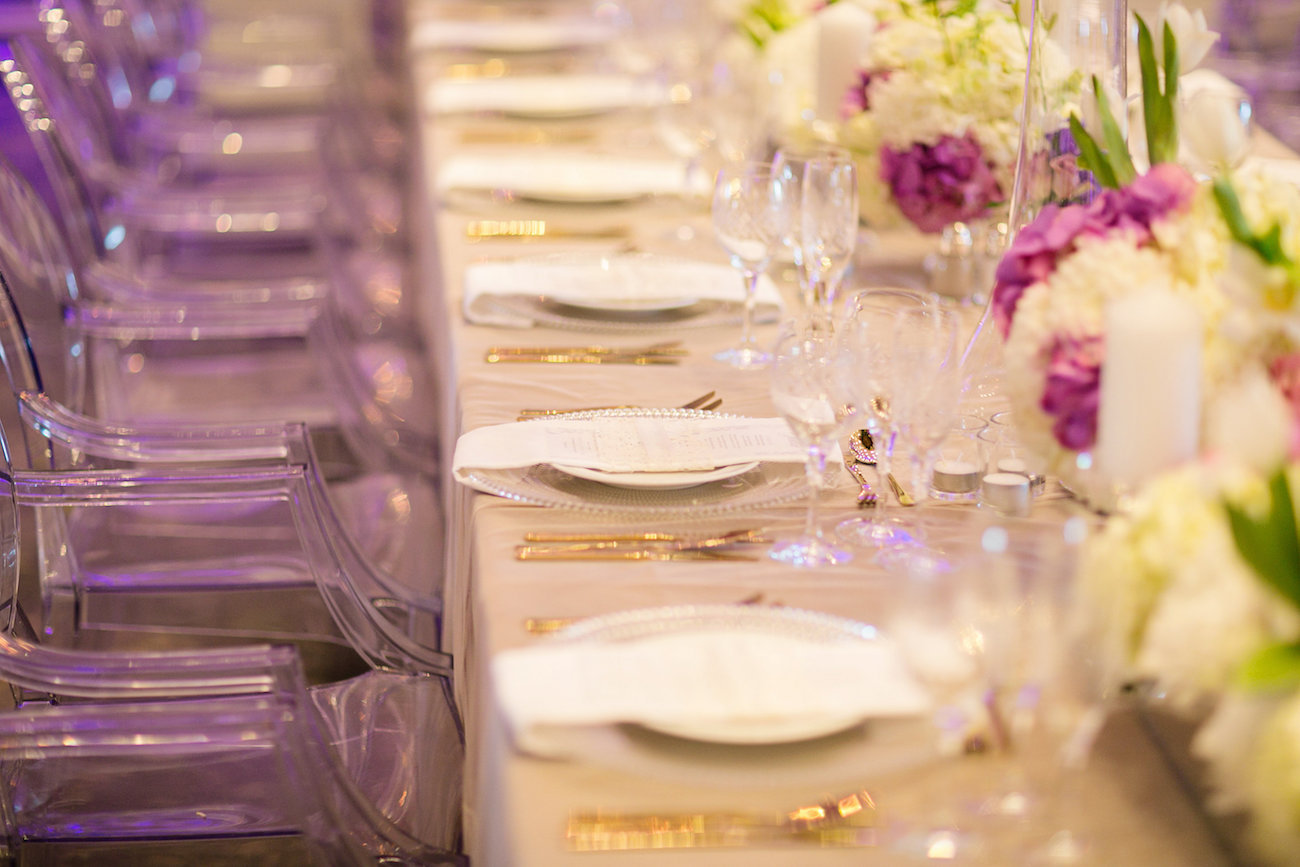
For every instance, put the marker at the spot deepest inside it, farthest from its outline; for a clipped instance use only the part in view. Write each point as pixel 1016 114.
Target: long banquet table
pixel 1129 803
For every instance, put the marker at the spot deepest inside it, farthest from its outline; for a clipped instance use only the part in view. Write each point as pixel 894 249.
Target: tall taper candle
pixel 1150 413
pixel 843 34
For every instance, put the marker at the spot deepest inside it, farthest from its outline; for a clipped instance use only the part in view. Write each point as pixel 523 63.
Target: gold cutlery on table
pixel 479 230
pixel 604 358
pixel 866 496
pixel 846 821
pixel 743 535
pixel 656 353
pixel 533 552
pixel 904 498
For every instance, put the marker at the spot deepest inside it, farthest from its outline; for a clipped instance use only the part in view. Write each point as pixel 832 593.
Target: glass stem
pixel 815 469
pixel 747 341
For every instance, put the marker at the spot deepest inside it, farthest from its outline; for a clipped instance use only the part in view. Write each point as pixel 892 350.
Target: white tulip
pixel 1194 37
pixel 1214 123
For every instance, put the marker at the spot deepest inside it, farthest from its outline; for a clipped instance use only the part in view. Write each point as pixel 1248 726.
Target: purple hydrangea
pixel 857 98
pixel 1072 394
pixel 1056 231
pixel 934 185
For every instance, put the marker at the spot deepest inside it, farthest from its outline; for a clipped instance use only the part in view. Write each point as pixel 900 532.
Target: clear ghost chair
pixel 216 755
pixel 128 204
pixel 292 536
pixel 215 355
pixel 137 765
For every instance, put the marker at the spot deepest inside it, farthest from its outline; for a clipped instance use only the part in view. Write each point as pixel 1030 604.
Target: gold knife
pixel 616 537
pixel 532 552
pixel 609 358
pixel 478 230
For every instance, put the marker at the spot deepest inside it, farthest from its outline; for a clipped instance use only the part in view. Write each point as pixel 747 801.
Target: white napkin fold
pixel 511 34
pixel 706 677
pixel 606 278
pixel 542 94
pixel 574 176
pixel 628 444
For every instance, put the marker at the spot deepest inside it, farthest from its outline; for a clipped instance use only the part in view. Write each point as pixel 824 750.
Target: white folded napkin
pixel 542 94
pixel 615 278
pixel 701 678
pixel 512 34
pixel 572 176
pixel 628 443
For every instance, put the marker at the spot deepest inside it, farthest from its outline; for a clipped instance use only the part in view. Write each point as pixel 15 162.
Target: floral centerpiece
pixel 1196 583
pixel 931 113
pixel 1160 229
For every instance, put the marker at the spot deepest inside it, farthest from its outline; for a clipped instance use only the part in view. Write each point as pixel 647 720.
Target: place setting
pixel 566 177
pixel 604 291
pixel 636 461
pixel 560 96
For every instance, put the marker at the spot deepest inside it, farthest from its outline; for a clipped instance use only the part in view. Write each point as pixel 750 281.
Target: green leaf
pixel 1121 162
pixel 1270 544
pixel 1267 246
pixel 1276 667
pixel 1090 155
pixel 1157 109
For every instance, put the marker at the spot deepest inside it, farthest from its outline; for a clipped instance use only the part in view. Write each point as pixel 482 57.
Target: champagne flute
pixel 751 210
pixel 792 162
pixel 925 385
pixel 828 232
pixel 805 389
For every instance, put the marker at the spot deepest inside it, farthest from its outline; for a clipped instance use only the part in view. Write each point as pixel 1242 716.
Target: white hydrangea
pixel 1168 570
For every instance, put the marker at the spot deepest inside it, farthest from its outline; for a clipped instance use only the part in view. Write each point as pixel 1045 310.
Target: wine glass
pixel 792 162
pixel 751 211
pixel 828 232
pixel 925 384
pixel 865 340
pixel 805 390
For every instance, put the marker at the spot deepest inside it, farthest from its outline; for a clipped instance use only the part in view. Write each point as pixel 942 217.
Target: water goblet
pixel 865 338
pixel 751 210
pixel 828 232
pixel 805 390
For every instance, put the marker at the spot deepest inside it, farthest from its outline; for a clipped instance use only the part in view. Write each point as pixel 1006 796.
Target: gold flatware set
pixel 850 820
pixel 656 353
pixel 525 230
pixel 637 546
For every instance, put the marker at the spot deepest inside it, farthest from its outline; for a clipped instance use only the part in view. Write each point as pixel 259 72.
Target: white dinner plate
pixel 625 305
pixel 659 481
pixel 792 623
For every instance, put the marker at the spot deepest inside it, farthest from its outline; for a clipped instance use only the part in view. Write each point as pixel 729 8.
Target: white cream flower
pixel 1194 37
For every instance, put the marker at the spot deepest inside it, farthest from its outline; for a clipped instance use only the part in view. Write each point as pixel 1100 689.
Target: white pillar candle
pixel 1150 413
pixel 843 35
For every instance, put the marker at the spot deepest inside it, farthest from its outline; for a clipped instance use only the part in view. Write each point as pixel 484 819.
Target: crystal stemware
pixel 805 390
pixel 792 162
pixel 828 232
pixel 865 338
pixel 751 211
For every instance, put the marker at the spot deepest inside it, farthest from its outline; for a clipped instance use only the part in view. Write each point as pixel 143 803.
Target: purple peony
pixel 934 185
pixel 1073 394
pixel 1055 232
